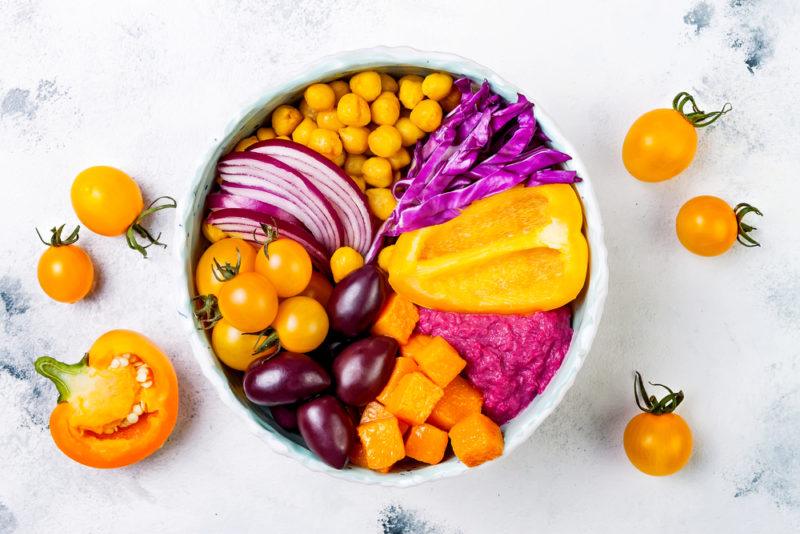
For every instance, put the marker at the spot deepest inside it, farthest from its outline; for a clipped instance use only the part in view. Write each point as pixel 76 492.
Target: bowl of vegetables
pixel 392 267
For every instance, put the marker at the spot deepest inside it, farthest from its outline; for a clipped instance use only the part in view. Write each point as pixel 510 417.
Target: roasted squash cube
pixel 439 361
pixel 476 439
pixel 402 367
pixel 415 344
pixel 460 399
pixel 397 319
pixel 426 443
pixel 375 410
pixel 414 398
pixel 382 442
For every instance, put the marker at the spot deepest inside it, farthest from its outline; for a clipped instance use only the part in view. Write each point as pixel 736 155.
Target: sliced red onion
pixel 220 200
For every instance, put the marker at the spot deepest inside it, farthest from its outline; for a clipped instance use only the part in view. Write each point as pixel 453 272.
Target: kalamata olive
pixel 357 300
pixel 285 416
pixel 329 350
pixel 284 379
pixel 327 429
pixel 362 369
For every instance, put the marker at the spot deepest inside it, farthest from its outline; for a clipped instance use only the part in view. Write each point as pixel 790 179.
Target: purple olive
pixel 285 416
pixel 284 379
pixel 362 369
pixel 357 300
pixel 327 429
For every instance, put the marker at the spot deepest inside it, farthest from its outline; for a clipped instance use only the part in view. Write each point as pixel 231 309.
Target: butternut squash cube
pixel 426 443
pixel 415 345
pixel 382 442
pixel 414 398
pixel 476 439
pixel 402 367
pixel 375 410
pixel 439 361
pixel 397 320
pixel 460 399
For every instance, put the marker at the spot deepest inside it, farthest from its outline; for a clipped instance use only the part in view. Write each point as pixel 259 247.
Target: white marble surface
pixel 146 86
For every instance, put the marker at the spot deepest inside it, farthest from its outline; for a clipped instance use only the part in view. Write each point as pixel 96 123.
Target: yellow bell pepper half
pixel 518 251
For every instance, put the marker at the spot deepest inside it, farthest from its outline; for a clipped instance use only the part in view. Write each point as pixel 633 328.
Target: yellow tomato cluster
pixel 365 125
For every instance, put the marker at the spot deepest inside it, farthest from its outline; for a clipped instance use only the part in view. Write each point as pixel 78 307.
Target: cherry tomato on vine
pixel 109 202
pixel 301 324
pixel 236 349
pixel 248 302
pixel 65 270
pixel 708 226
pixel 657 442
pixel 319 288
pixel 219 262
pixel 662 143
pixel 286 264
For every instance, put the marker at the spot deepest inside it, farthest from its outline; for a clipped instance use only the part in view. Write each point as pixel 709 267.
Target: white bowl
pixel 587 309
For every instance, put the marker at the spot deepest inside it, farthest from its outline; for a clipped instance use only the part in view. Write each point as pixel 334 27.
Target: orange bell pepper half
pixel 117 405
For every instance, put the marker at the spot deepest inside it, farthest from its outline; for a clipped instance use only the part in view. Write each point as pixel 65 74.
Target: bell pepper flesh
pixel 518 251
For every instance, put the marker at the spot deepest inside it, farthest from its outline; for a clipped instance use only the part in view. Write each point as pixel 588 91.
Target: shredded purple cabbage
pixel 483 147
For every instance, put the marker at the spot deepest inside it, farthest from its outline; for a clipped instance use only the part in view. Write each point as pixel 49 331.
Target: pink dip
pixel 510 358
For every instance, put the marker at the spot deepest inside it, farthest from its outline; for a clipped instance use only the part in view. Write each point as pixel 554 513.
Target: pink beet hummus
pixel 510 358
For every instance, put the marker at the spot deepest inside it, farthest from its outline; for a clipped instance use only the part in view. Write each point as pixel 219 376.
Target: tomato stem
pixel 138 228
pixel 743 237
pixel 697 117
pixel 59 372
pixel 223 273
pixel 206 311
pixel 56 240
pixel 651 403
pixel 270 235
pixel 267 339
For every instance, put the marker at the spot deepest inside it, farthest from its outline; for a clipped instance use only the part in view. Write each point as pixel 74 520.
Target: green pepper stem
pixel 697 117
pixel 59 372
pixel 138 229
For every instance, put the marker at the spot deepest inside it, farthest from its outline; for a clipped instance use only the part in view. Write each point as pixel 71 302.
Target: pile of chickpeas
pixel 365 125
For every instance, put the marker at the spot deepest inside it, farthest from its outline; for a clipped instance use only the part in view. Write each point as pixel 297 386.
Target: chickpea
pixel 340 159
pixel 320 96
pixel 354 163
pixel 410 92
pixel 306 110
pixel 400 159
pixel 344 261
pixel 385 257
pixel 385 141
pixel 427 115
pixel 285 119
pixel 388 83
pixel 359 180
pixel 385 109
pixel 325 142
pixel 329 120
pixel 303 131
pixel 284 137
pixel 366 84
pixel 409 131
pixel 437 85
pixel 377 172
pixel 452 99
pixel 340 88
pixel 381 202
pixel 354 139
pixel 353 110
pixel 242 145
pixel 265 133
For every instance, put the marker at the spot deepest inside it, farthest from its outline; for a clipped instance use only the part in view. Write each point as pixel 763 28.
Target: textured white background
pixel 148 86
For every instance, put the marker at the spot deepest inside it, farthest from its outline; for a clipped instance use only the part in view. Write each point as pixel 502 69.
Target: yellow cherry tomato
pixel 248 302
pixel 319 288
pixel 385 141
pixel 410 90
pixel 400 159
pixel 427 115
pixel 344 261
pixel 227 253
pixel 353 110
pixel 212 233
pixel 325 142
pixel 320 97
pixel 263 134
pixel 385 256
pixel 388 83
pixel 65 270
pixel 385 109
pixel 235 348
pixel 106 200
pixel 301 324
pixel 340 88
pixel 302 133
pixel 381 202
pixel 437 85
pixel 658 442
pixel 287 265
pixel 409 132
pixel 708 226
pixel 662 143
pixel 377 172
pixel 285 119
pixel 353 164
pixel 366 84
pixel 354 139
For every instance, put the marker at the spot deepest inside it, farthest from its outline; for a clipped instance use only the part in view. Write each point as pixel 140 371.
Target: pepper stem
pixel 697 117
pixel 138 229
pixel 651 403
pixel 56 240
pixel 743 236
pixel 59 372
